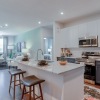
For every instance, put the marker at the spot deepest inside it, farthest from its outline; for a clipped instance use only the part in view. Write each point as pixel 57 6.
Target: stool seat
pixel 31 80
pixel 16 72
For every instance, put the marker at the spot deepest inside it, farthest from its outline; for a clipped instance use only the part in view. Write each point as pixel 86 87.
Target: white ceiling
pixel 23 15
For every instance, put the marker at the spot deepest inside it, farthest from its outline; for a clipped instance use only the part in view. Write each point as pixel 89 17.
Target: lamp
pixel 10 47
pixel 25 51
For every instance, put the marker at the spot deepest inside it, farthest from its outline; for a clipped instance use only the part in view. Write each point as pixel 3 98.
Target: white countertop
pixel 53 67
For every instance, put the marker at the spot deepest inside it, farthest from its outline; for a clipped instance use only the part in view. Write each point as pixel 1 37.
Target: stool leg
pixel 23 77
pixel 19 81
pixel 41 91
pixel 30 93
pixel 10 83
pixel 14 85
pixel 23 92
pixel 33 92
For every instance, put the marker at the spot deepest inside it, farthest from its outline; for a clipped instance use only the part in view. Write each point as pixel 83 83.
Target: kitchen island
pixel 62 82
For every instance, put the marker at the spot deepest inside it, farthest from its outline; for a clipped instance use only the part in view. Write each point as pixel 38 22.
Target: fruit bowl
pixel 42 63
pixel 63 62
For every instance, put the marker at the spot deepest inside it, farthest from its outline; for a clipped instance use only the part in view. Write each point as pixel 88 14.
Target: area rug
pixel 91 93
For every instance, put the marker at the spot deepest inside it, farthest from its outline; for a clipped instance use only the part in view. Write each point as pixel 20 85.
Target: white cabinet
pixel 82 30
pixel 65 37
pixel 98 32
pixel 73 36
pixel 92 28
pixel 70 37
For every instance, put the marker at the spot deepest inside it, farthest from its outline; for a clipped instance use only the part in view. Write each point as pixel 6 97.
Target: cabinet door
pixel 82 30
pixel 73 36
pixel 98 32
pixel 65 37
pixel 92 28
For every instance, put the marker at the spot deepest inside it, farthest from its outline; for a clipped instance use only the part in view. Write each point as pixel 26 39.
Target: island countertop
pixel 61 81
pixel 53 67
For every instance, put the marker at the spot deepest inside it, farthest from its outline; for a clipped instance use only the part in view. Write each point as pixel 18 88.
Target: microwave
pixel 91 41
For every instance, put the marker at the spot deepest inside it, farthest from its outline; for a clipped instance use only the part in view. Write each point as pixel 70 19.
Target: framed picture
pixel 19 47
pixel 23 45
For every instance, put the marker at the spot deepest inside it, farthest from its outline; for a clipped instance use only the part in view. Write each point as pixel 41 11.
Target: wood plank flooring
pixel 4 87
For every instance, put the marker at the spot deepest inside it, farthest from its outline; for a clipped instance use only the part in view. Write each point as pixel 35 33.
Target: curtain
pixel 5 43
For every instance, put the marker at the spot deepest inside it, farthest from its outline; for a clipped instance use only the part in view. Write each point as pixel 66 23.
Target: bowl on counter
pixel 62 62
pixel 42 62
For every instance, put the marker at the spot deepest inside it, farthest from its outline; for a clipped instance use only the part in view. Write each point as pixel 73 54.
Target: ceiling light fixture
pixel 6 24
pixel 39 22
pixel 61 13
pixel 3 26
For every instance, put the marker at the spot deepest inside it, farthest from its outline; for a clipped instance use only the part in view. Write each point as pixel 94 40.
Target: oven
pixel 90 72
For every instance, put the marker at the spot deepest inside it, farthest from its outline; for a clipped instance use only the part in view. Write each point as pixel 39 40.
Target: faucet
pixel 38 51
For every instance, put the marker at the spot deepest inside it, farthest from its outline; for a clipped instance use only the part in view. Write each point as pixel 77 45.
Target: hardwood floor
pixel 4 87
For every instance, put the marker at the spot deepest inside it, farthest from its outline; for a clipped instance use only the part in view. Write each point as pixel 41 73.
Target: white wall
pixel 45 33
pixel 82 19
pixel 57 39
pixel 11 40
pixel 48 34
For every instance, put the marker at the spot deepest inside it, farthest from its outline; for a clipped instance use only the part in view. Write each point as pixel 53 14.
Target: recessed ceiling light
pixel 45 38
pixel 39 22
pixel 61 13
pixel 6 24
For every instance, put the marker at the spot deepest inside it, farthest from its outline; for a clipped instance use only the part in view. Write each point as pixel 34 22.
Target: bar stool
pixel 13 67
pixel 30 82
pixel 14 73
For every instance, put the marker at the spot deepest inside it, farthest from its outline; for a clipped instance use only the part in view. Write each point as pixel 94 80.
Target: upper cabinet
pixel 72 34
pixel 92 28
pixel 70 37
pixel 64 37
pixel 82 30
pixel 98 32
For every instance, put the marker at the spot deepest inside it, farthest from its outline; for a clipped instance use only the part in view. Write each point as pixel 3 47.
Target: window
pixel 1 45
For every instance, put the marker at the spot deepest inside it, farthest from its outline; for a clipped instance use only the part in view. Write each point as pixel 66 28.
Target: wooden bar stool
pixel 14 73
pixel 13 67
pixel 31 81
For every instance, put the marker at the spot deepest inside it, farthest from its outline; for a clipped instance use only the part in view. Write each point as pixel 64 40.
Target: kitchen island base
pixel 68 85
